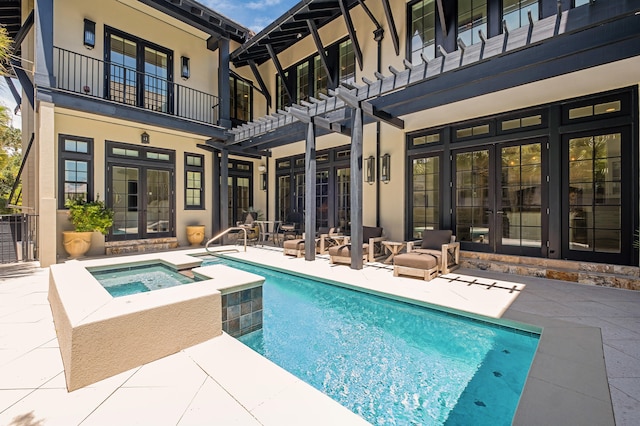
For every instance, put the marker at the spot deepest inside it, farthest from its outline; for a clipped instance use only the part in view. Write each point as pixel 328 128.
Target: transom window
pixel 422 39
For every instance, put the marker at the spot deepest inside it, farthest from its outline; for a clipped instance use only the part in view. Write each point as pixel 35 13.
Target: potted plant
pixel 87 217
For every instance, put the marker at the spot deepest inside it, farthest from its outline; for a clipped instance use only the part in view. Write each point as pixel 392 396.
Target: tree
pixel 10 138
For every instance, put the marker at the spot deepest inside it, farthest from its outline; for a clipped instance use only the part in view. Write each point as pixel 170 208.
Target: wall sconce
pixel 89 34
pixel 370 169
pixel 385 168
pixel 263 177
pixel 144 138
pixel 184 69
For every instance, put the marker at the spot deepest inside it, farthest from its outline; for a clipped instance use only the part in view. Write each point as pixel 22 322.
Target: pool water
pixel 388 361
pixel 139 279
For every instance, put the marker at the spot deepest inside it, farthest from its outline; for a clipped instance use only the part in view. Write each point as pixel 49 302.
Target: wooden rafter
pixel 263 87
pixel 279 70
pixel 323 55
pixel 352 33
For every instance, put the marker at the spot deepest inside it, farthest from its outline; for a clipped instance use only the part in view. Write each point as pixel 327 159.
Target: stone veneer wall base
pixel 600 274
pixel 140 246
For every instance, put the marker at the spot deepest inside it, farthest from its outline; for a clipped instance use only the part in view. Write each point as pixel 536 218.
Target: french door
pixel 142 201
pixel 500 198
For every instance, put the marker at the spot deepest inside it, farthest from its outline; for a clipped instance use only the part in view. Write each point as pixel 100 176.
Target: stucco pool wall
pixel 101 336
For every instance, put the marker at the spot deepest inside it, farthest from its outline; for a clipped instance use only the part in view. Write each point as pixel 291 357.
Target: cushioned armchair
pixel 437 253
pixel 371 247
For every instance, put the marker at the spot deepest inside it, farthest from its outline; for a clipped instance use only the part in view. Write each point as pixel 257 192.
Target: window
pixel 422 39
pixel 595 193
pixel 75 169
pixel 282 99
pixel 515 12
pixel 472 17
pixel 194 181
pixel 302 80
pixel 577 3
pixel 418 141
pixel 320 81
pixel 241 100
pixel 347 71
pixel 479 130
pixel 425 189
pixel 139 72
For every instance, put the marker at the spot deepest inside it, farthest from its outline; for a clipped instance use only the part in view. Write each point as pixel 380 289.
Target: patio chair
pixel 437 253
pixel 327 238
pixel 324 239
pixel 291 228
pixel 371 247
pixel 253 230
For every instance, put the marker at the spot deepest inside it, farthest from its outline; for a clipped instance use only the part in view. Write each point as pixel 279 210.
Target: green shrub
pixel 89 216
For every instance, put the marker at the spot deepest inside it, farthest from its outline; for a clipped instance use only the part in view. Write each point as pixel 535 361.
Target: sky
pixel 253 14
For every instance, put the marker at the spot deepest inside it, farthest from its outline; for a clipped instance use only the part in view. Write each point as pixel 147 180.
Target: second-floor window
pixel 139 72
pixel 347 70
pixel 302 81
pixel 515 12
pixel 472 17
pixel 320 81
pixel 241 99
pixel 422 24
pixel 283 97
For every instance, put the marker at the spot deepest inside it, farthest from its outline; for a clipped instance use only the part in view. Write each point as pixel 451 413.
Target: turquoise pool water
pixel 123 281
pixel 388 361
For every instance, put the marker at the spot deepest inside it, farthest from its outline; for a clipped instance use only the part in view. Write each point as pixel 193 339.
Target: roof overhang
pixel 289 29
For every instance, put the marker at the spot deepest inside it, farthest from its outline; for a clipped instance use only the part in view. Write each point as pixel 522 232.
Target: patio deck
pixel 586 329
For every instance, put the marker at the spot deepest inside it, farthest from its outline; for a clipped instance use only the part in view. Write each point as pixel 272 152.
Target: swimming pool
pixel 388 361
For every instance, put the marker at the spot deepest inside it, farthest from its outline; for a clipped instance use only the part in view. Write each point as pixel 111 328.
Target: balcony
pixel 94 78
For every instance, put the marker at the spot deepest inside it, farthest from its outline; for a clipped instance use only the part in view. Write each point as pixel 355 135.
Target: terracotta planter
pixel 195 234
pixel 76 244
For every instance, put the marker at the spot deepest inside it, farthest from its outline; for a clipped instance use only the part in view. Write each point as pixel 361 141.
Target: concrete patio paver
pixel 201 383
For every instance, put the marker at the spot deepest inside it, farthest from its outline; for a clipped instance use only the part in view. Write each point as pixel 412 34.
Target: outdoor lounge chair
pixel 324 240
pixel 371 237
pixel 437 253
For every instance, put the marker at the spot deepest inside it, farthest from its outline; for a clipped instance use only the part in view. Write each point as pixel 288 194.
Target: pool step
pixel 600 274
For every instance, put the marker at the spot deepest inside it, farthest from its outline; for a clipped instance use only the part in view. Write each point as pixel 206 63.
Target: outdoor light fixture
pixel 184 69
pixel 89 34
pixel 370 169
pixel 385 168
pixel 144 138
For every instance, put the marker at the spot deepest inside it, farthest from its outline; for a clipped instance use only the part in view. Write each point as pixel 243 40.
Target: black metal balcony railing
pixel 105 80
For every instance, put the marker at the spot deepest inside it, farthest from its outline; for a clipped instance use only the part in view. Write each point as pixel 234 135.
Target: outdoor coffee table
pixel 393 247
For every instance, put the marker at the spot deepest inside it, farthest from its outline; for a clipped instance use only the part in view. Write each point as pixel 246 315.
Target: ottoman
pixel 414 264
pixel 293 247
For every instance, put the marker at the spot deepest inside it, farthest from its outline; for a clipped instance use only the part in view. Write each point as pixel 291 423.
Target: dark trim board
pixel 139 115
pixel 558 56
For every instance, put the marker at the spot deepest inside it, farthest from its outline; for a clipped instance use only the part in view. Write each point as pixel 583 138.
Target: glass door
pixel 239 198
pixel 500 197
pixel 141 196
pixel 343 199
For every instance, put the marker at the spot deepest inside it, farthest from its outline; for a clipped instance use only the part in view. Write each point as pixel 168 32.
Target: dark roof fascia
pixel 560 55
pixel 201 17
pixel 126 112
pixel 258 40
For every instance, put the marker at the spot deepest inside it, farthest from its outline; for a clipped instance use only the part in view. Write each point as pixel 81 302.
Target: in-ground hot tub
pixel 101 335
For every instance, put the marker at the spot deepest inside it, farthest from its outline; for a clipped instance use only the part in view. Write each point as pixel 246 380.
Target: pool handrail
pixel 226 231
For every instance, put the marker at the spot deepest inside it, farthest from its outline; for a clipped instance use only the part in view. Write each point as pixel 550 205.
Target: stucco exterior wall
pixel 101 130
